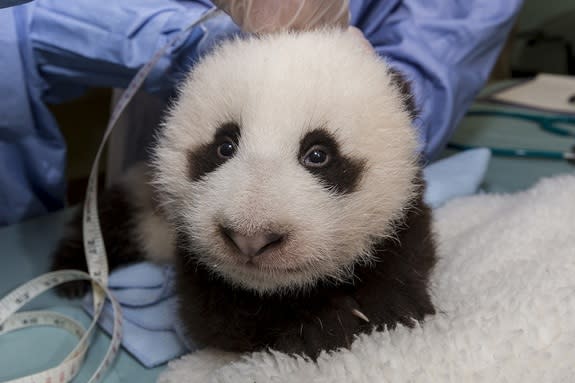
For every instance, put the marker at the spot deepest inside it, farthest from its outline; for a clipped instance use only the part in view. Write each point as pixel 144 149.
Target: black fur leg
pixel 70 255
pixel 117 224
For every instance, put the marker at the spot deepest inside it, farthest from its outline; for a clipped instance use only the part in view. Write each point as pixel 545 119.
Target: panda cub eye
pixel 226 149
pixel 317 156
pixel 226 140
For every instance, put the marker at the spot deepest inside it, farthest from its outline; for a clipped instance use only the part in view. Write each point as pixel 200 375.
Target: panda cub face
pixel 286 158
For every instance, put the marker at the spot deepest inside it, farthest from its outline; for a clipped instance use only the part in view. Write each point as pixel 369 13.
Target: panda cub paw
pixel 329 329
pixel 70 255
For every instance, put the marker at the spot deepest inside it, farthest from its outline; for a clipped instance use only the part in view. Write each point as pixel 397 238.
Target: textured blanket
pixel 505 291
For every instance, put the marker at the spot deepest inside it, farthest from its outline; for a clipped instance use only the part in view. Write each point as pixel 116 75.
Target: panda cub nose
pixel 253 245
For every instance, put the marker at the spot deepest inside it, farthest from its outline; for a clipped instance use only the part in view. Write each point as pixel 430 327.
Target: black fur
pixel 205 159
pixel 404 87
pixel 116 215
pixel 342 173
pixel 392 290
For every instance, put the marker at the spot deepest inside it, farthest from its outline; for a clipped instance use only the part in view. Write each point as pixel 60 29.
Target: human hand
pixel 264 16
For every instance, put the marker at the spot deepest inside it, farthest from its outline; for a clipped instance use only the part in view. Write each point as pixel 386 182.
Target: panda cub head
pixel 286 158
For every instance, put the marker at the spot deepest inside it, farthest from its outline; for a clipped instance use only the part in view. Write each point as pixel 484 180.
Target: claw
pixel 360 315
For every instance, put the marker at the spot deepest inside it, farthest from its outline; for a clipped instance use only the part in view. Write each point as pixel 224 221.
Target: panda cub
pixel 286 189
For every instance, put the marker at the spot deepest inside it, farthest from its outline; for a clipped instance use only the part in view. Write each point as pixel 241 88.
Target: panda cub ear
pixel 404 86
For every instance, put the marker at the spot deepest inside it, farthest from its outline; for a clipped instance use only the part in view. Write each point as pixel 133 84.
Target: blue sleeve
pixel 446 49
pixel 85 43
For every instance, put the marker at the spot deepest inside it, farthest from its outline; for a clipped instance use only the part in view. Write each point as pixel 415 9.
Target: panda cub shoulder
pixel 133 226
pixel 286 188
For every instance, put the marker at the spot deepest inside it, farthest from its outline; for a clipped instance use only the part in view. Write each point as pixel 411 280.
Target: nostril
pixel 226 232
pixel 272 240
pixel 252 245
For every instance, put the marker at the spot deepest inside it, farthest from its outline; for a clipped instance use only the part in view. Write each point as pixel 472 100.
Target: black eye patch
pixel 340 173
pixel 207 158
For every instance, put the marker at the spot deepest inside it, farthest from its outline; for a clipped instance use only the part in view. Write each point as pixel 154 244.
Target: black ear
pixel 404 87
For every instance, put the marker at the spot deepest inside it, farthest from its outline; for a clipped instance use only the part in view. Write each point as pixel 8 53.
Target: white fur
pixel 505 290
pixel 155 235
pixel 277 88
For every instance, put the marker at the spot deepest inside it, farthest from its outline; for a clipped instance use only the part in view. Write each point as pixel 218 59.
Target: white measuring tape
pixel 11 320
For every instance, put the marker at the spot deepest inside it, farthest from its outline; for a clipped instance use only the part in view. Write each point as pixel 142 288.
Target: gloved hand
pixel 273 15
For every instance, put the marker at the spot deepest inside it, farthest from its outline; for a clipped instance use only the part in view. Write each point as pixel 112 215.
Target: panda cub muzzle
pixel 287 184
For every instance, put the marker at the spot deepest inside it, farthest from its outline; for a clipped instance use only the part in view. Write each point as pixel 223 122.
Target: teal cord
pixel 546 123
